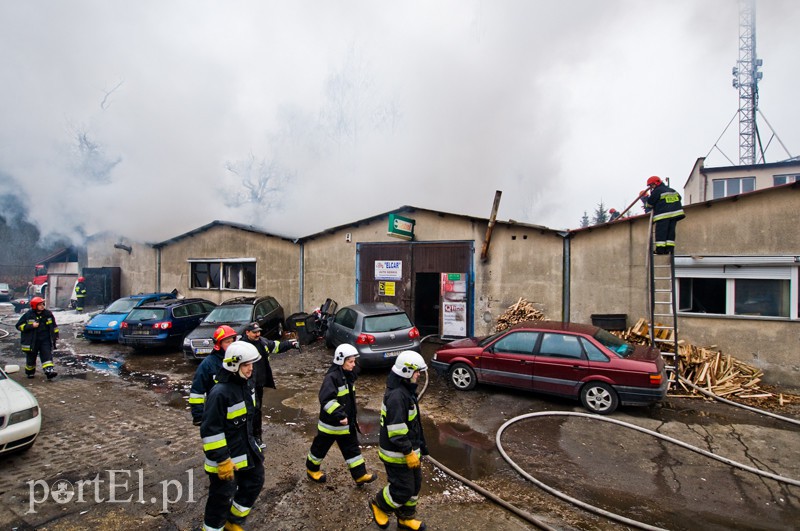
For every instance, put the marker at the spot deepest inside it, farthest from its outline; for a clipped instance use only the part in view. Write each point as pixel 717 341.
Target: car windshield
pixel 230 314
pixel 386 323
pixel 613 343
pixel 145 314
pixel 121 306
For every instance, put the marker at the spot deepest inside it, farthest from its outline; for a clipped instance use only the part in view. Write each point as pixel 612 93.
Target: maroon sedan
pixel 564 359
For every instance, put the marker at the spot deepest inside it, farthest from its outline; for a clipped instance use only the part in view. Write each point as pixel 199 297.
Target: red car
pixel 564 359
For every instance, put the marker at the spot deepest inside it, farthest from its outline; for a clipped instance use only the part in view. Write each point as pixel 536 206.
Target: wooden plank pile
pixel 518 312
pixel 710 369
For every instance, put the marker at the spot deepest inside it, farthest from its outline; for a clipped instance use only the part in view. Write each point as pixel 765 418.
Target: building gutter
pixel 565 275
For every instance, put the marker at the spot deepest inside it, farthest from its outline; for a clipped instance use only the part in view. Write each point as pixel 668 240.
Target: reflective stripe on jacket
pixel 401 426
pixel 337 400
pixel 666 203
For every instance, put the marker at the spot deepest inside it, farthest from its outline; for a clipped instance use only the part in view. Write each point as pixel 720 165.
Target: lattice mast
pixel 745 78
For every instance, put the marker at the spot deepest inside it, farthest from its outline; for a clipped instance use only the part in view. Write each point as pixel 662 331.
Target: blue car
pixel 105 325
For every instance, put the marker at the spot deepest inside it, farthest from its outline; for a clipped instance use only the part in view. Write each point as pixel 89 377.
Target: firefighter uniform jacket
pixel 401 426
pixel 666 203
pixel 47 328
pixel 227 428
pixel 337 400
pixel 262 373
pixel 204 380
pixel 80 289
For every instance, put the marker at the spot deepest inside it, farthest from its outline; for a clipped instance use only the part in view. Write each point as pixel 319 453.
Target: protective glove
pixel 225 470
pixel 295 343
pixel 412 460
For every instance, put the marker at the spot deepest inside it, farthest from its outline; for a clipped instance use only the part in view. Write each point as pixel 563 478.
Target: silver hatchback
pixel 378 330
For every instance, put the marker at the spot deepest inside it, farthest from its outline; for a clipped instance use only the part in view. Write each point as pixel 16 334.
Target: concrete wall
pixel 138 267
pixel 276 263
pixel 523 262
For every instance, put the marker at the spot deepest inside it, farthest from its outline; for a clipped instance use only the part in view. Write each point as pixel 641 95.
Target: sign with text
pixel 388 270
pixel 401 227
pixel 386 288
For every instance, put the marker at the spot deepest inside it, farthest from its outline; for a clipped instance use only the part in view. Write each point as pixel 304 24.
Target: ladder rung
pixel 662 278
pixel 661 265
pixel 662 290
pixel 657 340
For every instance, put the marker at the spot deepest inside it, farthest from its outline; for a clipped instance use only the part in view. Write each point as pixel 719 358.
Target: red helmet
pixel 81 279
pixel 611 211
pixel 36 301
pixel 653 181
pixel 221 333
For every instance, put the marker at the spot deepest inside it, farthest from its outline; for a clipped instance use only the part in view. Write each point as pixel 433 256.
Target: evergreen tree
pixel 584 220
pixel 600 214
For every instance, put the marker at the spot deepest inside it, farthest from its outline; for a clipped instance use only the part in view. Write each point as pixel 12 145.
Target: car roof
pixel 148 295
pixel 559 326
pixel 375 308
pixel 245 300
pixel 171 302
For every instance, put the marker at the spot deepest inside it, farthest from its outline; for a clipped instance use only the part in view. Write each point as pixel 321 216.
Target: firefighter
pixel 80 294
pixel 667 211
pixel 613 214
pixel 206 375
pixel 401 445
pixel 233 460
pixel 39 336
pixel 262 375
pixel 338 419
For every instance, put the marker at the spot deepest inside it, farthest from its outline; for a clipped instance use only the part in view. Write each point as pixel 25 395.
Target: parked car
pixel 236 313
pixel 20 418
pixel 6 293
pixel 566 359
pixel 378 330
pixel 163 323
pixel 105 325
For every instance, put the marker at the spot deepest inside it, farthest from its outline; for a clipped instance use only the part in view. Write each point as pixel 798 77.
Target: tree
pixel 585 220
pixel 261 180
pixel 600 214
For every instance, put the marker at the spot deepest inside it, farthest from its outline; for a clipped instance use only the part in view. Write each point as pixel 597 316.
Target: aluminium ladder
pixel 663 324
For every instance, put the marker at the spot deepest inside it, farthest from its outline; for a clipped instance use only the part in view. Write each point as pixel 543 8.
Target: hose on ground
pixel 598 510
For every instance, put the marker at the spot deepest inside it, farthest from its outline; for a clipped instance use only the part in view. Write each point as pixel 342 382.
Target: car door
pixel 266 317
pixel 342 327
pixel 509 360
pixel 559 365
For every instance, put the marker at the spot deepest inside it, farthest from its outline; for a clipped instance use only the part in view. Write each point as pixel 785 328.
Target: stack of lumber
pixel 710 369
pixel 518 312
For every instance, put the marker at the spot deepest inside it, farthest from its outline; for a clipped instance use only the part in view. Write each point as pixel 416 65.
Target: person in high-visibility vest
pixel 80 294
pixel 667 212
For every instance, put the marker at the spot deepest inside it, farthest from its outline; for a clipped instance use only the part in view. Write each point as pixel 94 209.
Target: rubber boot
pixel 410 523
pixel 381 518
pixel 50 373
pixel 318 476
pixel 366 478
pixel 232 527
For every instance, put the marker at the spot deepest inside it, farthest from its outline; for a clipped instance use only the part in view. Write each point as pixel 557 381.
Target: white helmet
pixel 343 352
pixel 407 362
pixel 238 353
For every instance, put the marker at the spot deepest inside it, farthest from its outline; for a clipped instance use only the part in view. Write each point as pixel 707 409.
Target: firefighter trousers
pixel 348 445
pixel 258 417
pixel 44 350
pixel 401 494
pixel 79 300
pixel 665 236
pixel 231 501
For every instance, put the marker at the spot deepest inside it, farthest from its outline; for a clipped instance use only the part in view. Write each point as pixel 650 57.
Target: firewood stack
pixel 710 369
pixel 518 312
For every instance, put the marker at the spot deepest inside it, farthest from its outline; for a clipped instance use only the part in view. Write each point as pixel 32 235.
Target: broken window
pixel 223 274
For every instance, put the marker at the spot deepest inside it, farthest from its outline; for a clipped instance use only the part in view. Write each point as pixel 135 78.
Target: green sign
pixel 401 227
pixel 453 276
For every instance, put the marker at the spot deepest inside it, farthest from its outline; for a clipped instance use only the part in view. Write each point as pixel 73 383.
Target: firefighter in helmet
pixel 338 421
pixel 80 294
pixel 401 445
pixel 206 375
pixel 39 336
pixel 234 460
pixel 667 212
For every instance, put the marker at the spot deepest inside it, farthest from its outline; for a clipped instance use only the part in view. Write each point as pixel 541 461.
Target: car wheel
pixel 599 397
pixel 463 377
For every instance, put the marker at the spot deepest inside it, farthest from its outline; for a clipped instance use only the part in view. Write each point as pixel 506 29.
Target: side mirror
pixel 11 369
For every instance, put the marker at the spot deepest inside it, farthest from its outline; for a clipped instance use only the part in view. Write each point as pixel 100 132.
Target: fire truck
pixel 40 280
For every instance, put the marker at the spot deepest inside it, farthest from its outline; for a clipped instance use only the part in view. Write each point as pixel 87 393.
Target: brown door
pixel 384 274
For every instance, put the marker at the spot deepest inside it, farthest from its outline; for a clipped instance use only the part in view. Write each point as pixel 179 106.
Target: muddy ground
pixel 118 451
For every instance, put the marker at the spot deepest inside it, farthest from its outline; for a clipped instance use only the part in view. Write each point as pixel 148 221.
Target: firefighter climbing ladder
pixel 663 325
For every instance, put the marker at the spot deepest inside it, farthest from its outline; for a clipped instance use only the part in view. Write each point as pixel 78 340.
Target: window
pixel 592 352
pixel 346 318
pixel 517 343
pixel 752 286
pixel 239 275
pixel 561 346
pixel 736 185
pixel 784 179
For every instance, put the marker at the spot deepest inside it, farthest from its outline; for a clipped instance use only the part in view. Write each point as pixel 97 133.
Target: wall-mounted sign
pixel 386 288
pixel 388 270
pixel 401 227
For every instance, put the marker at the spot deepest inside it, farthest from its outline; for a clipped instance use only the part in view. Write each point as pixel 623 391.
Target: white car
pixel 20 417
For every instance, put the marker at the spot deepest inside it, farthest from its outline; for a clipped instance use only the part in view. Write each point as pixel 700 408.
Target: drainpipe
pixel 565 268
pixel 158 269
pixel 301 276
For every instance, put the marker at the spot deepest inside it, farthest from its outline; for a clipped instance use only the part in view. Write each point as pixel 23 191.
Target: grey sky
pixel 124 116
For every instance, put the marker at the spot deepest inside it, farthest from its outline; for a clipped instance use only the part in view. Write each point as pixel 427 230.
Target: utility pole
pixel 745 78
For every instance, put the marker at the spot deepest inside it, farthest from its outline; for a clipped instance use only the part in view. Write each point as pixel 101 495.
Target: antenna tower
pixel 745 78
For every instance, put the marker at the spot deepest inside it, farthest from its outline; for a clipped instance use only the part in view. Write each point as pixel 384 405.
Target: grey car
pixel 378 330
